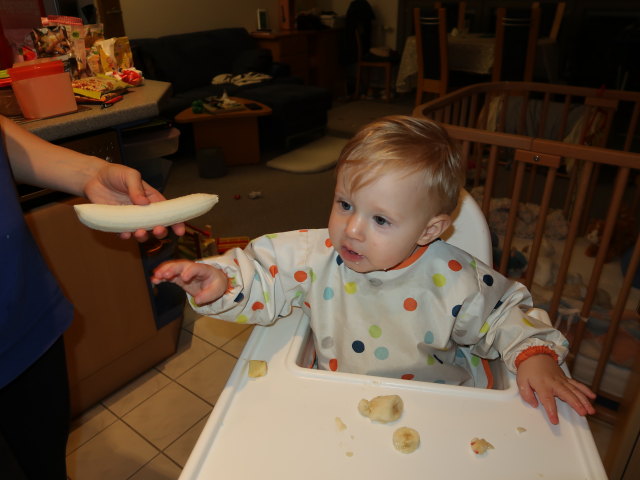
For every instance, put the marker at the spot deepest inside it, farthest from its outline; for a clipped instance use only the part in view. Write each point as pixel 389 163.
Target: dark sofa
pixel 190 61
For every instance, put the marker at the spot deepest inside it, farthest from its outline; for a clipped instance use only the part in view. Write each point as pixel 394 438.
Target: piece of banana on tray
pixel 406 439
pixel 257 368
pixel 383 409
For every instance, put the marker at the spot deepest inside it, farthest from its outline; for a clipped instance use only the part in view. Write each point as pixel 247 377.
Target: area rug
pixel 315 156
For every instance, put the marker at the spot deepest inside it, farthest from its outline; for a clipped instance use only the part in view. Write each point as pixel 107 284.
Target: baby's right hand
pixel 203 282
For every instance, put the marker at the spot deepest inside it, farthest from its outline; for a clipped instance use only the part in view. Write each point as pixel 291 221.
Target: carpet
pixel 315 156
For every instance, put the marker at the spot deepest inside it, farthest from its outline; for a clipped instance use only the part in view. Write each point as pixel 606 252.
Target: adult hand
pixel 115 184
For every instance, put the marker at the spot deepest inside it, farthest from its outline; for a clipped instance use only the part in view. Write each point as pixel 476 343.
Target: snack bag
pixel 115 54
pixel 94 66
pixel 98 89
pixel 75 33
pixel 131 76
pixel 65 37
pixel 51 41
pixel 93 33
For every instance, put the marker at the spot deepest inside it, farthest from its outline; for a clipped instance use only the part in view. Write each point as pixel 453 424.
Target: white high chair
pixel 469 230
pixel 301 423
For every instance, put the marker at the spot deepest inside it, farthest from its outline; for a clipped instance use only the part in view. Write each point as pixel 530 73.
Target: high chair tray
pixel 290 424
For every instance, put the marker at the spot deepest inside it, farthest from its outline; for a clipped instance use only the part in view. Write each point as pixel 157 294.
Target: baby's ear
pixel 434 229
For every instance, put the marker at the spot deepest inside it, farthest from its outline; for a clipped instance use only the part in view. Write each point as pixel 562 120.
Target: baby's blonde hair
pixel 411 144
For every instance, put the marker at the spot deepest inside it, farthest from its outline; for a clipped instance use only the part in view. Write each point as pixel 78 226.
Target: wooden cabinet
pixel 312 55
pixel 114 336
pixel 291 48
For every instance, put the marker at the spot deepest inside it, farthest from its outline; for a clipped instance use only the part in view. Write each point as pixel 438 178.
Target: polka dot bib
pixel 429 319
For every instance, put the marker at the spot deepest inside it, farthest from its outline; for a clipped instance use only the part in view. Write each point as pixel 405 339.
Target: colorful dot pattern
pixel 393 323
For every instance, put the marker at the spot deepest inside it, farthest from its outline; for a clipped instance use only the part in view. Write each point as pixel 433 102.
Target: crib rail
pixel 569 148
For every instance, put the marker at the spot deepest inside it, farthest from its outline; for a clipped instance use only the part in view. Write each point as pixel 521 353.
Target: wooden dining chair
pixel 431 51
pixel 367 61
pixel 547 64
pixel 515 44
pixel 456 14
pixel 551 16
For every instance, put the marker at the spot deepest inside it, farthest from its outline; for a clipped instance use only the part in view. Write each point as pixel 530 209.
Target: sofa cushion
pixel 190 60
pixel 257 60
pixel 296 109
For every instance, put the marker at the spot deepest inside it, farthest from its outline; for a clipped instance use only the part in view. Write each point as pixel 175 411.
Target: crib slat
pixel 540 227
pixel 565 117
pixel 544 112
pixel 570 240
pixel 491 176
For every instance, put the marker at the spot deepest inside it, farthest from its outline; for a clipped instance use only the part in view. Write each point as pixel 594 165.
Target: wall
pixel 153 18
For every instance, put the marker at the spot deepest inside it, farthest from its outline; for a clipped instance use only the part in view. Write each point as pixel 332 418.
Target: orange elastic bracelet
pixel 535 350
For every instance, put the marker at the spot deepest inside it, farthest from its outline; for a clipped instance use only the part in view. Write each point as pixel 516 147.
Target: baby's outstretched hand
pixel 540 375
pixel 203 282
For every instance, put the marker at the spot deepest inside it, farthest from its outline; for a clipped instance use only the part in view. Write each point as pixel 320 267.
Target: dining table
pixel 468 52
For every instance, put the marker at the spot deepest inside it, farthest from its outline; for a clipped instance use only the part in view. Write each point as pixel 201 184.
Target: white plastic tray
pixel 283 426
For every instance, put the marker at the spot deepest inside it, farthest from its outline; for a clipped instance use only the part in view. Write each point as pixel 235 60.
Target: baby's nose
pixel 355 227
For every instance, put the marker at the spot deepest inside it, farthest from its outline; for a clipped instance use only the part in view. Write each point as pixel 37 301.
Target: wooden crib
pixel 570 155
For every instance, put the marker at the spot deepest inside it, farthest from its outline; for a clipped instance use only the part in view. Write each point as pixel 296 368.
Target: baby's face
pixel 379 225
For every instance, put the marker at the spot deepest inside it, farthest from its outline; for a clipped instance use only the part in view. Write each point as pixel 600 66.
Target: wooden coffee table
pixel 235 132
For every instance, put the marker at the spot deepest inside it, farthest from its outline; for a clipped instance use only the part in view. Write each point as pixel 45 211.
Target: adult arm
pixel 37 162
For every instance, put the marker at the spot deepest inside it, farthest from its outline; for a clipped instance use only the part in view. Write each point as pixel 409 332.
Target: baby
pixel 385 296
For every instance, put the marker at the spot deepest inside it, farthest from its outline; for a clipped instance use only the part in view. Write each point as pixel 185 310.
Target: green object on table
pixel 197 106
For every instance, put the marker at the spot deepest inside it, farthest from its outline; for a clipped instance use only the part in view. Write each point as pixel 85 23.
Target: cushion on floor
pixel 315 156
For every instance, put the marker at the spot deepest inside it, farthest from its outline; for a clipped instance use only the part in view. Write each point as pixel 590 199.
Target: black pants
pixel 34 420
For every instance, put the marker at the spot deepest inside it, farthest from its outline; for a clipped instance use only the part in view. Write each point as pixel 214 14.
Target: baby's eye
pixel 344 205
pixel 380 220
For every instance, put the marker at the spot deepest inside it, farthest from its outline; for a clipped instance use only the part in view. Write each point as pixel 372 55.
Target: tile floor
pixel 147 430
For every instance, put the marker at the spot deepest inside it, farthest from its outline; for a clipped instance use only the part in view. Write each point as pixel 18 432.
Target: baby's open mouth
pixel 349 255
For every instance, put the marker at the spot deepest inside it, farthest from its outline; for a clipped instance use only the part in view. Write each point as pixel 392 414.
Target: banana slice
pixel 406 440
pixel 257 368
pixel 129 218
pixel 383 409
pixel 480 445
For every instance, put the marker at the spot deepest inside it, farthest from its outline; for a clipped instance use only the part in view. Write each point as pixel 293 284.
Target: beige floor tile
pixel 136 392
pixel 88 425
pixel 236 344
pixel 208 378
pixel 180 450
pixel 191 350
pixel 160 468
pixel 116 453
pixel 216 331
pixel 167 415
